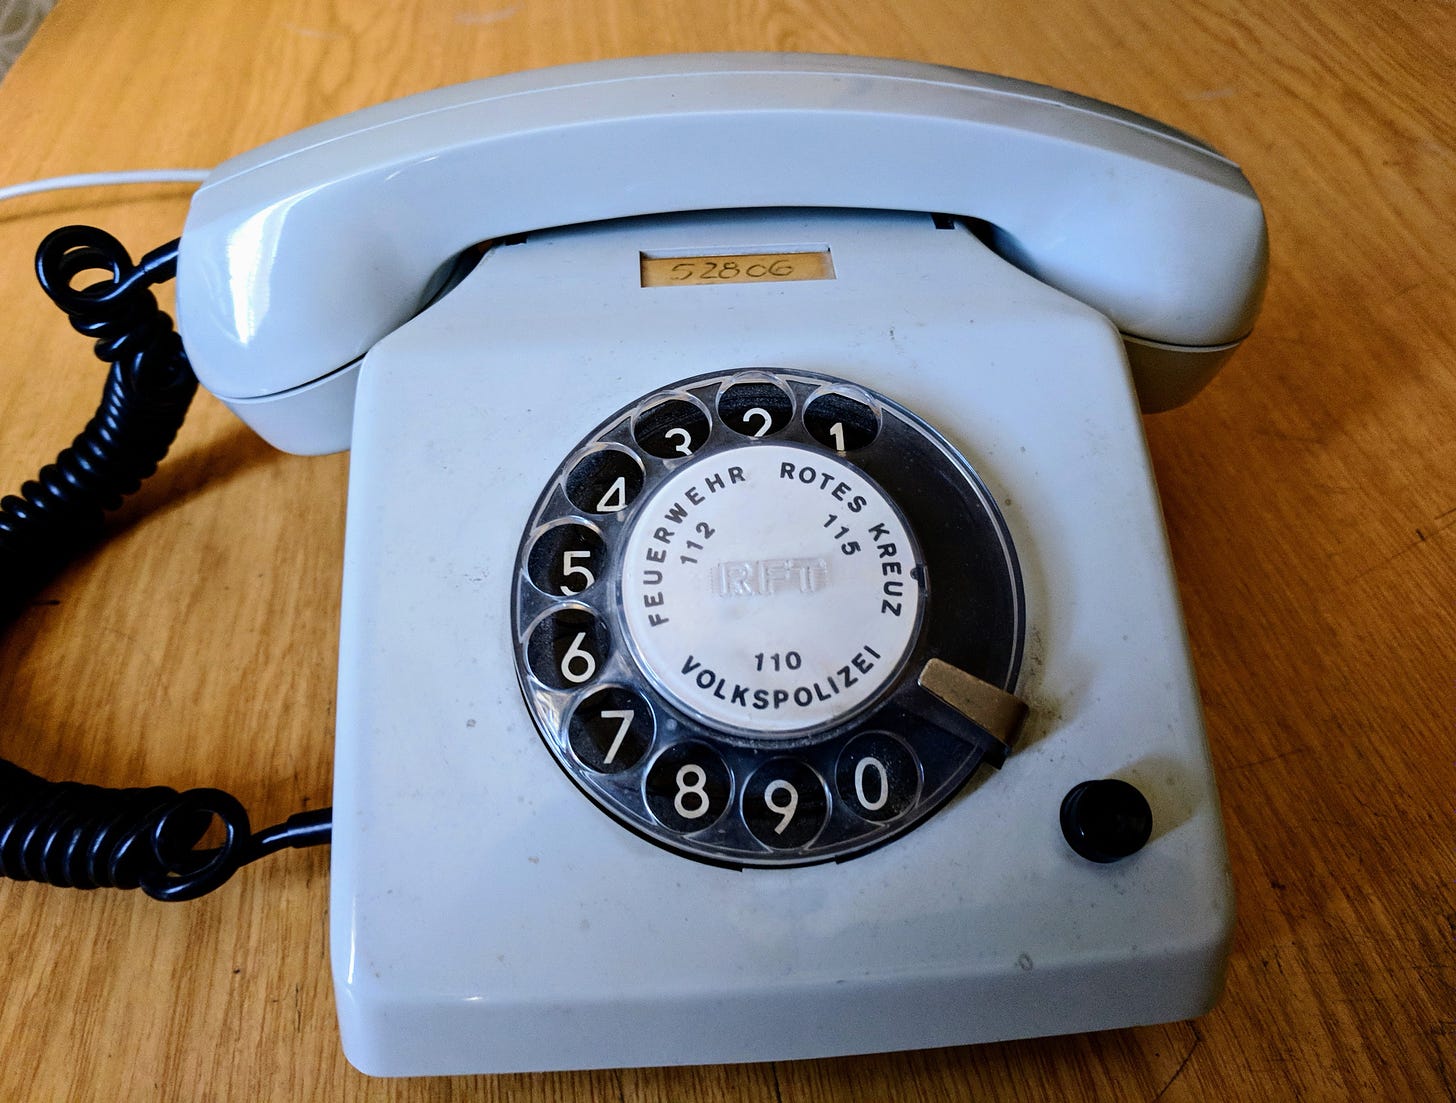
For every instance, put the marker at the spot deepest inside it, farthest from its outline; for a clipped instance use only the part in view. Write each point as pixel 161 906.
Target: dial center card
pixel 770 590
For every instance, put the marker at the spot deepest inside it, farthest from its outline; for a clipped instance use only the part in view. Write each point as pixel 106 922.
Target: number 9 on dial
pixel 785 804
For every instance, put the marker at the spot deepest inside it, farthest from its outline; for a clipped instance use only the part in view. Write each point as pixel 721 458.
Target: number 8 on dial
pixel 689 787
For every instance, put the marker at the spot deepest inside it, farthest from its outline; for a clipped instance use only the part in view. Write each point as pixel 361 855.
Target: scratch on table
pixel 1192 1049
pixel 487 16
pixel 1269 758
pixel 311 32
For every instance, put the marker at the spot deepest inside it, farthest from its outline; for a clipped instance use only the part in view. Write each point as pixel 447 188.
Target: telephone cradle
pixel 759 635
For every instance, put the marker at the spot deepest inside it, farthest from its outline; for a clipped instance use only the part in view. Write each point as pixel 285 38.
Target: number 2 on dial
pixel 762 416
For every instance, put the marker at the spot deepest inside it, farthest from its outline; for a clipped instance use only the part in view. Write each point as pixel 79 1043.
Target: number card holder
pixel 688 270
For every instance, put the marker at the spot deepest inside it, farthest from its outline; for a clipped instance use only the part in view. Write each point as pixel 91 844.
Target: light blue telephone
pixel 776 465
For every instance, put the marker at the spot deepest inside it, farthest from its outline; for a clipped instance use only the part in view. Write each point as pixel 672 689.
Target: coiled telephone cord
pixel 68 833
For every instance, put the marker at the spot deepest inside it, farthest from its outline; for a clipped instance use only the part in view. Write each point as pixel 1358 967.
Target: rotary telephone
pixel 759 638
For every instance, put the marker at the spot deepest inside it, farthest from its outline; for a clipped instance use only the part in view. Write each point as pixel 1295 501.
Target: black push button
pixel 1106 820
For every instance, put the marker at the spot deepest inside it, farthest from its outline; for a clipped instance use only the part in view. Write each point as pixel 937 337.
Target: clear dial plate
pixel 723 604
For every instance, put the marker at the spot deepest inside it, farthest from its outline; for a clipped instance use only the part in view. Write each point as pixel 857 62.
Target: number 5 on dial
pixel 569 567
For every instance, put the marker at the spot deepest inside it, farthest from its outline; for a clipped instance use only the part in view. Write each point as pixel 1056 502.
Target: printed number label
pixel 758 413
pixel 683 439
pixel 695 789
pixel 789 660
pixel 688 787
pixel 784 808
pixel 882 784
pixel 878 777
pixel 626 716
pixel 611 729
pixel 615 499
pixel 569 568
pixel 567 648
pixel 784 804
pixel 578 664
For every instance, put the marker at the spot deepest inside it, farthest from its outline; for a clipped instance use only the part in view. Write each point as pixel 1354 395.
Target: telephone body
pixel 709 538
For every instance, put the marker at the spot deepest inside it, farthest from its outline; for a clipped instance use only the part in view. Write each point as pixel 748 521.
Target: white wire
pixel 103 179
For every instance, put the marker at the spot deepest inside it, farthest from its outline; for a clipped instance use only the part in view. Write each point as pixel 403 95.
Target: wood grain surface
pixel 1310 496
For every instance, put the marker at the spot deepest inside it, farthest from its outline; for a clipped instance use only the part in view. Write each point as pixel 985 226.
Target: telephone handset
pixel 300 255
pixel 773 465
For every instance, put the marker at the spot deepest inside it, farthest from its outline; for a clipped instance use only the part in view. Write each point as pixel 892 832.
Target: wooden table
pixel 1310 497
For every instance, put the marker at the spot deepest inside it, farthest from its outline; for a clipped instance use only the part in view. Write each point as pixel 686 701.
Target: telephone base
pixel 487 917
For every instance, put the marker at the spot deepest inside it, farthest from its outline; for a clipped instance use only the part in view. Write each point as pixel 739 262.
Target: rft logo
pixel 764 577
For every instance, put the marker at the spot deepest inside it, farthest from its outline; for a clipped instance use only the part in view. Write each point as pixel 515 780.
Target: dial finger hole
pixel 689 787
pixel 755 407
pixel 842 421
pixel 566 559
pixel 611 729
pixel 605 481
pixel 567 648
pixel 672 429
pixel 877 776
pixel 785 804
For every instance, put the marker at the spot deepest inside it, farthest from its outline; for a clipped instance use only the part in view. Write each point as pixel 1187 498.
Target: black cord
pixel 67 833
pixel 148 390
